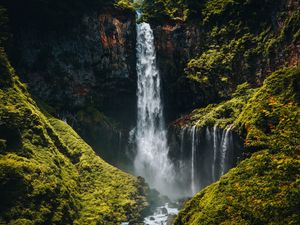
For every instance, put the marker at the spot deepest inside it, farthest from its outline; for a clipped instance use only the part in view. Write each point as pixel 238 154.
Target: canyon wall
pixel 202 59
pixel 85 73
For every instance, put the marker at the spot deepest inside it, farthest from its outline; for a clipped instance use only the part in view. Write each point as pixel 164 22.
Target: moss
pixel 273 112
pixel 49 175
pixel 158 10
pixel 127 4
pixel 241 41
pixel 225 113
pixel 291 30
pixel 265 188
pixel 261 190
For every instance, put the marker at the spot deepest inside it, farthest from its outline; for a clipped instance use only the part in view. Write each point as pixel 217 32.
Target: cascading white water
pixel 182 132
pixel 194 147
pixel 205 155
pixel 215 149
pixel 225 145
pixel 152 160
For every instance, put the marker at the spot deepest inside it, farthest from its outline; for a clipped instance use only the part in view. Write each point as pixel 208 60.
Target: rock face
pixel 176 43
pixel 83 72
pixel 224 55
pixel 89 64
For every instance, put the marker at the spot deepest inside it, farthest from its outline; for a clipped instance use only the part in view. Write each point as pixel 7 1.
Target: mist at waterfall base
pixel 176 163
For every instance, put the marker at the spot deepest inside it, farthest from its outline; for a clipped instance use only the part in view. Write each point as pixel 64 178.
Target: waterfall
pixel 182 132
pixel 225 146
pixel 151 160
pixel 194 142
pixel 204 155
pixel 215 149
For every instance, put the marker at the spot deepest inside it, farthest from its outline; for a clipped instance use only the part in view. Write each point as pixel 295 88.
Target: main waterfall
pixel 151 160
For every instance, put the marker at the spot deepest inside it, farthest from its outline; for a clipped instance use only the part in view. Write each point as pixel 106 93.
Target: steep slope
pixel 49 175
pixel 265 188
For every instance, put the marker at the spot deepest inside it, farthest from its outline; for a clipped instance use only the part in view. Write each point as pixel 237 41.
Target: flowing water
pixel 161 216
pixel 151 160
pixel 225 146
pixel 194 147
pixel 202 156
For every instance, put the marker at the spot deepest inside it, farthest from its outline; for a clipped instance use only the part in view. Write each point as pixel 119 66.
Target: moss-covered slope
pixel 48 174
pixel 265 188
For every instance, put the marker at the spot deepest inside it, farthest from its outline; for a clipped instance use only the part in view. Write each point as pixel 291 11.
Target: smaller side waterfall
pixel 203 156
pixel 226 144
pixel 215 149
pixel 194 147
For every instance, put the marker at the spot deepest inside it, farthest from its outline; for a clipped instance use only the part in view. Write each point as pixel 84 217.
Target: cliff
pixel 48 174
pixel 206 49
pixel 81 64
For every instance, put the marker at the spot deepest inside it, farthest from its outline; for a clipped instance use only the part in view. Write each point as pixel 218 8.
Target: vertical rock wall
pixel 85 72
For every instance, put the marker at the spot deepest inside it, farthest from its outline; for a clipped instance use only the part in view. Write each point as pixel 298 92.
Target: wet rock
pixel 164 211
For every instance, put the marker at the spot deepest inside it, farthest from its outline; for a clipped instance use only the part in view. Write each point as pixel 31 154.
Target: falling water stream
pixel 193 187
pixel 152 160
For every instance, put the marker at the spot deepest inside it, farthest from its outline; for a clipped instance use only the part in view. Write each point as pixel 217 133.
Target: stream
pixel 163 215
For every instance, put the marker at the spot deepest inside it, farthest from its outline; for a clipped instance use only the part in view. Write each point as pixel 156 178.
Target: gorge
pixel 198 101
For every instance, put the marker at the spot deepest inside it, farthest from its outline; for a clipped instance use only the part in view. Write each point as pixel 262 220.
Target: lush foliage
pixel 49 175
pixel 225 113
pixel 159 10
pixel 241 41
pixel 265 188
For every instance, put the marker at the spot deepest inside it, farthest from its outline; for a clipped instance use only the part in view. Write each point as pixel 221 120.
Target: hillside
pixel 49 175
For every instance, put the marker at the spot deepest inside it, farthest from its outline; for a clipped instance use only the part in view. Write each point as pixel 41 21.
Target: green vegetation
pixel 49 175
pixel 159 10
pixel 242 41
pixel 265 188
pixel 225 113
